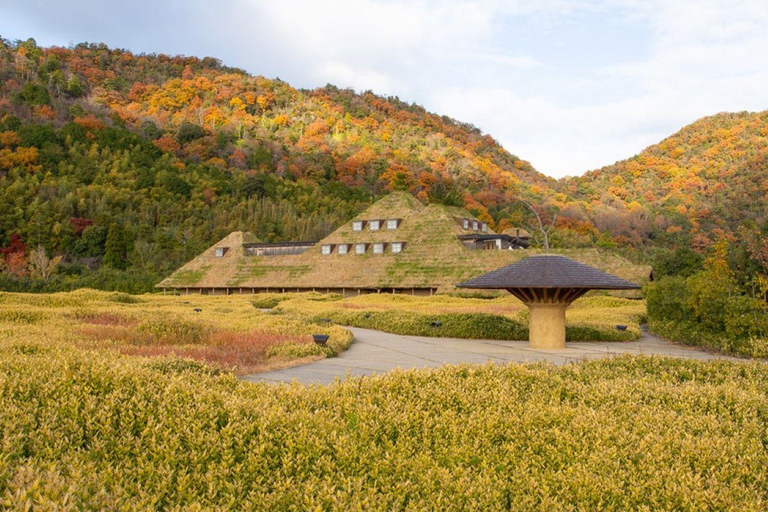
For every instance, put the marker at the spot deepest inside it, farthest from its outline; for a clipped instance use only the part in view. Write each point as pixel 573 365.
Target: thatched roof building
pixel 398 245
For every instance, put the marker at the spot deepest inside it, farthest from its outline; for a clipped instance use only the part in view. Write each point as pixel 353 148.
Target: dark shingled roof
pixel 549 271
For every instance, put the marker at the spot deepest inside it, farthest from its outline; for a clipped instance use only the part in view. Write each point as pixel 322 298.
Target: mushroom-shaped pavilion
pixel 548 284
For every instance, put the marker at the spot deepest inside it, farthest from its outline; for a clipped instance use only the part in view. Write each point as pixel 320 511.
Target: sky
pixel 569 85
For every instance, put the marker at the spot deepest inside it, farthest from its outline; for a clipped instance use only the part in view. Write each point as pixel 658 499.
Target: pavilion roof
pixel 549 271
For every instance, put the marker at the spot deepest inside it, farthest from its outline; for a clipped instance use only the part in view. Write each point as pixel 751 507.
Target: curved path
pixel 376 352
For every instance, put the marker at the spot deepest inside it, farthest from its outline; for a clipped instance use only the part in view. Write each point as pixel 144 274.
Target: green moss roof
pixel 433 257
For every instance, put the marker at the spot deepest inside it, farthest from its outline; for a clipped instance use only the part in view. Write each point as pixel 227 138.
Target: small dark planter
pixel 621 327
pixel 320 339
pixel 436 324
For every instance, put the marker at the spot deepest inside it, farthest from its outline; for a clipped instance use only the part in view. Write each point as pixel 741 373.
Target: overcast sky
pixel 569 85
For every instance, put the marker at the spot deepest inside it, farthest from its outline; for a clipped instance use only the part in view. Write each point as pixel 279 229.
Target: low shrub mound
pixel 96 430
pixel 455 325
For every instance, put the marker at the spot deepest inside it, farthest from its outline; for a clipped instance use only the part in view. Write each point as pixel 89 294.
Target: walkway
pixel 375 352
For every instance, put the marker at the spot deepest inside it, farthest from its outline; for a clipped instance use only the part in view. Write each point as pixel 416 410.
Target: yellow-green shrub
pixel 97 431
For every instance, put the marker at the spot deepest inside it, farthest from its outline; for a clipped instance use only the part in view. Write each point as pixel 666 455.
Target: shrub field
pixel 97 430
pixel 117 402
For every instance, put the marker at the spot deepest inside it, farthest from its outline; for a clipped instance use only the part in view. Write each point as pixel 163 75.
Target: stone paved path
pixel 375 352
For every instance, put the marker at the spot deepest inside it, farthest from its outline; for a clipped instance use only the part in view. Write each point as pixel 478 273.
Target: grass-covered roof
pixel 433 256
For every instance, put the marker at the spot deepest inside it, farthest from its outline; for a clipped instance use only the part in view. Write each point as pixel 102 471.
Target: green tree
pixel 116 248
pixel 682 262
pixel 74 87
pixel 189 132
pixel 33 94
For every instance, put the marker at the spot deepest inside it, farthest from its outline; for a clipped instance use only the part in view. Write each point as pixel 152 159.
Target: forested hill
pixel 697 186
pixel 168 154
pixel 118 162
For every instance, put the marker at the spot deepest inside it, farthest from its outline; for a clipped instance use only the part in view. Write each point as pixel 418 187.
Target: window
pixel 374 225
pixel 343 249
pixel 219 252
pixel 378 248
pixel 392 223
pixel 357 225
pixel 397 247
pixel 465 223
pixel 474 225
pixel 360 248
pixel 484 227
pixel 327 248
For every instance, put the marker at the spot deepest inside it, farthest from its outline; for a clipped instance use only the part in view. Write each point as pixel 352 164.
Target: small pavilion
pixel 548 284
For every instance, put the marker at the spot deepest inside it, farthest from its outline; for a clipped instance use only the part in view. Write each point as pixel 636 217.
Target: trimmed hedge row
pixel 463 325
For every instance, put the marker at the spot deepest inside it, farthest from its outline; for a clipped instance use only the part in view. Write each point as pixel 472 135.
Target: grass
pixel 96 430
pixel 224 332
pixel 591 318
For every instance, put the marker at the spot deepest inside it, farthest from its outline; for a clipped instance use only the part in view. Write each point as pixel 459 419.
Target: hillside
pixel 692 188
pixel 127 166
pixel 168 154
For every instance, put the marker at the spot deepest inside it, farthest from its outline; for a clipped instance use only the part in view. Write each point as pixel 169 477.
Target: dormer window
pixel 392 223
pixel 378 248
pixel 374 225
pixel 327 248
pixel 484 227
pixel 396 247
pixel 465 223
pixel 357 225
pixel 361 248
pixel 343 249
pixel 475 225
pixel 219 252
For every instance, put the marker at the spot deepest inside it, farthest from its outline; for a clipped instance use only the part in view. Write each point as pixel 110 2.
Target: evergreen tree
pixel 74 87
pixel 116 250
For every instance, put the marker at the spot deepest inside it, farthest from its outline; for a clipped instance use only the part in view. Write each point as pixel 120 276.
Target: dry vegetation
pixel 227 333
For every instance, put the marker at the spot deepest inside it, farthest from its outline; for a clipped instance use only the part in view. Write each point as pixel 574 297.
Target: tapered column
pixel 547 324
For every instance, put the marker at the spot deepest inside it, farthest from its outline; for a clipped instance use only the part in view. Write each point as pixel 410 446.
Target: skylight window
pixel 374 225
pixel 357 225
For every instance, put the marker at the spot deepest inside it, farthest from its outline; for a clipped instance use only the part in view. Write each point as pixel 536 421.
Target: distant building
pixel 398 245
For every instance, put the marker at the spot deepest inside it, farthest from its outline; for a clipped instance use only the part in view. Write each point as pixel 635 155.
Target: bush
pixel 693 311
pixel 466 325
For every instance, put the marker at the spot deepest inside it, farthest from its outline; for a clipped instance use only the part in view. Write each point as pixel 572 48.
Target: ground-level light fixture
pixel 320 339
pixel 548 284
